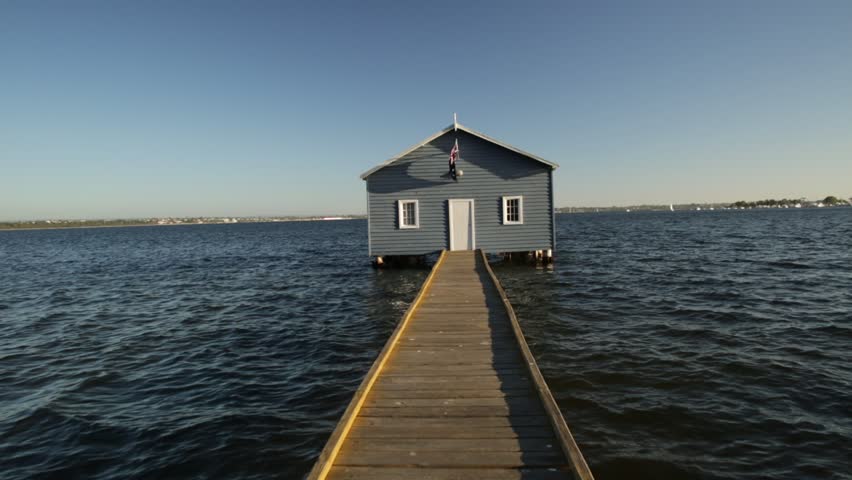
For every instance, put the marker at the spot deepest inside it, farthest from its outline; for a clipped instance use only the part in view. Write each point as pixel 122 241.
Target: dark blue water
pixel 679 345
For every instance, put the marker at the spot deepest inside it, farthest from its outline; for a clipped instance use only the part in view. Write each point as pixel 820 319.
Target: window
pixel 513 210
pixel 409 214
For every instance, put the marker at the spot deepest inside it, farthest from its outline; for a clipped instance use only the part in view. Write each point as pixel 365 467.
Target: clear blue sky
pixel 157 108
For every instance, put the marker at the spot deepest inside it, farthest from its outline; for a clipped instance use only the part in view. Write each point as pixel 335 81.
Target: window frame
pixel 401 214
pixel 520 220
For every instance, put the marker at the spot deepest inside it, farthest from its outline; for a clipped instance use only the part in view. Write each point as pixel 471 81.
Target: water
pixel 678 345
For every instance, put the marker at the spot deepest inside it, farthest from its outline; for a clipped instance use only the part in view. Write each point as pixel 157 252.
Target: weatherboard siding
pixel 490 173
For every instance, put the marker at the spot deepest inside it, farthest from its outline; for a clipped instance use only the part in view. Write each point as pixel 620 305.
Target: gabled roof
pixel 461 127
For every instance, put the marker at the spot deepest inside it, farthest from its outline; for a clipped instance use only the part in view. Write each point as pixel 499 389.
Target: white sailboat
pixel 671 207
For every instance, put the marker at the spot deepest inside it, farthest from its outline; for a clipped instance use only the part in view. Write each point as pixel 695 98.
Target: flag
pixel 454 154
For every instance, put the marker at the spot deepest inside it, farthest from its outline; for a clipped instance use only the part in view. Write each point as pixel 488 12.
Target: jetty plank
pixel 423 392
pixel 465 423
pixel 428 458
pixel 391 473
pixel 456 445
pixel 455 393
pixel 427 434
pixel 526 401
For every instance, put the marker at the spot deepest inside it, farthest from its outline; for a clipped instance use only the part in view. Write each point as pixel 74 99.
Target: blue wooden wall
pixel 490 172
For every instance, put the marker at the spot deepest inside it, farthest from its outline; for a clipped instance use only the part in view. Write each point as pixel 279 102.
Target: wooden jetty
pixel 455 394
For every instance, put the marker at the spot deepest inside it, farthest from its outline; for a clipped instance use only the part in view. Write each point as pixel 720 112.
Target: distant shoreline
pixel 708 210
pixel 178 222
pixel 572 211
pixel 769 203
pixel 705 207
pixel 78 224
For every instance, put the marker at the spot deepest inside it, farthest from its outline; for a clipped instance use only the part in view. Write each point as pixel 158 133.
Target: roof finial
pixel 455 122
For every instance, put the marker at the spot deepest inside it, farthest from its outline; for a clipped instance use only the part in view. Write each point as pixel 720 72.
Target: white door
pixel 462 225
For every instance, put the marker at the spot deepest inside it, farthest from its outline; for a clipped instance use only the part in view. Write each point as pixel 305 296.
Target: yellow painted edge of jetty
pixel 349 420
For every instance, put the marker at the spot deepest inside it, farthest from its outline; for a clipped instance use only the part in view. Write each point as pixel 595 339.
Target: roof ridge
pixel 463 128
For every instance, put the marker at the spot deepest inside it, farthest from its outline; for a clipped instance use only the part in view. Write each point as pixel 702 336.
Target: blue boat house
pixel 493 197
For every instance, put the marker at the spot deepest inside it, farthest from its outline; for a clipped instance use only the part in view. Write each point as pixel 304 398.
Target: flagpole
pixel 454 150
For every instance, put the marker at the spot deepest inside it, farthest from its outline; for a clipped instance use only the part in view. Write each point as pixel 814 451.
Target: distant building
pixel 500 199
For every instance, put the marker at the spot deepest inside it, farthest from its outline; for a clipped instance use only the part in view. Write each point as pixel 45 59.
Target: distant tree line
pixel 830 200
pixel 784 202
pixel 35 224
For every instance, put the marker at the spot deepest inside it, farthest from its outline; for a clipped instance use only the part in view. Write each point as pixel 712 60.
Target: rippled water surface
pixel 710 345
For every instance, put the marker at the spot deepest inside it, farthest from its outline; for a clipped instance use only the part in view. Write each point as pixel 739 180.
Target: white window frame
pixel 401 217
pixel 520 199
